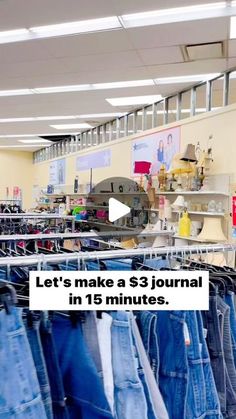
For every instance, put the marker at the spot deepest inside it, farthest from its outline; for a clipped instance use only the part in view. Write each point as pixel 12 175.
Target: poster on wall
pixel 151 151
pixel 94 160
pixel 57 172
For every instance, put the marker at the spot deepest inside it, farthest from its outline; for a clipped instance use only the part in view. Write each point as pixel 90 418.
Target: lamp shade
pixel 189 154
pixel 179 166
pixel 212 230
pixel 179 203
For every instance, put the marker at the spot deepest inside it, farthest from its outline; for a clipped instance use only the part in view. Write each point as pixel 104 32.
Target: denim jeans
pixel 90 333
pixel 32 323
pixel 83 387
pixel 230 373
pixel 155 403
pixel 212 399
pixel 157 263
pixel 19 388
pixel 118 264
pixel 130 401
pixel 229 299
pixel 147 323
pixel 173 371
pixel 54 374
pixel 215 347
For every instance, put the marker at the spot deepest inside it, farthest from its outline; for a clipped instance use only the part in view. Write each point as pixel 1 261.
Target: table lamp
pixel 142 168
pixel 180 167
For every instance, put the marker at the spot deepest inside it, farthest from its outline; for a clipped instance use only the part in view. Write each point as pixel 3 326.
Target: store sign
pixel 234 211
pixel 151 151
pixel 57 172
pixel 94 160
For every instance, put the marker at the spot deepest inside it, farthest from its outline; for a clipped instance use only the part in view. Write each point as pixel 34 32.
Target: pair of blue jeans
pixel 20 395
pixel 32 324
pixel 60 410
pixel 229 299
pixel 212 400
pixel 84 392
pixel 173 371
pixel 130 400
pixel 147 324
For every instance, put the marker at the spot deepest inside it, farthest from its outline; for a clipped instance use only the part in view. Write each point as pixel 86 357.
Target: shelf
pixel 193 239
pixel 201 213
pixel 193 193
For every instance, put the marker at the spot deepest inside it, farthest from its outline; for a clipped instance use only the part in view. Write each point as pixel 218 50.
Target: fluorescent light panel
pixel 178 14
pixel 233 27
pixel 78 88
pixel 134 100
pixel 35 141
pixel 22 146
pixel 186 79
pixel 6 136
pixel 82 26
pixel 71 126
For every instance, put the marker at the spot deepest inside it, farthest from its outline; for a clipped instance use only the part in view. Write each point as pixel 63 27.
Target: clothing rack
pixel 86 235
pixel 34 215
pixel 115 254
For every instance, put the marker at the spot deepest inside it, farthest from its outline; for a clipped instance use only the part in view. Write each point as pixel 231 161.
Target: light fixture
pixel 134 100
pixel 101 115
pixel 186 79
pixel 78 87
pixel 14 35
pixel 23 146
pixel 178 14
pixel 35 141
pixel 6 136
pixel 16 92
pixel 63 89
pixel 38 118
pixel 72 126
pixel 233 27
pixel 122 84
pixel 82 26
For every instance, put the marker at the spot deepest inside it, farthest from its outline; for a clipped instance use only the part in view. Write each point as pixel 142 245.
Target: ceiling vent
pixel 204 51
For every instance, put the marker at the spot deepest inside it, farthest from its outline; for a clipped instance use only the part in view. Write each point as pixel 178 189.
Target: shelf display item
pixel 179 203
pixel 178 168
pixel 184 225
pixel 162 178
pixel 212 230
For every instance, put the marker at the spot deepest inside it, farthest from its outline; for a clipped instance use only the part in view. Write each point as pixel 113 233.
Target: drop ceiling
pixel 142 53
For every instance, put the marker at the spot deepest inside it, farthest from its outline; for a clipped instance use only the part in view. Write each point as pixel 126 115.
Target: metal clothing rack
pixel 87 235
pixel 42 260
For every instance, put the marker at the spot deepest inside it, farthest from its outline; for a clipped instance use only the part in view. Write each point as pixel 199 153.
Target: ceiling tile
pixel 99 43
pixel 183 33
pixel 194 67
pixel 232 48
pixel 151 56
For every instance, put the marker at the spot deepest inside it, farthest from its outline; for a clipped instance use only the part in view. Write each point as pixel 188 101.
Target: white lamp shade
pixel 179 202
pixel 212 230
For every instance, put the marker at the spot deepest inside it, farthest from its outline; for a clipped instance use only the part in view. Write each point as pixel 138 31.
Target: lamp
pixel 180 167
pixel 212 230
pixel 142 168
pixel 204 166
pixel 179 203
pixel 189 154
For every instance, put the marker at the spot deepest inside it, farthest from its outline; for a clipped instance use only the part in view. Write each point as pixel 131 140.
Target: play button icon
pixel 117 210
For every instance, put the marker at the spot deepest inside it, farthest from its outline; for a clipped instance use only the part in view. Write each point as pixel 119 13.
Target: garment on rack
pixel 20 395
pixel 84 392
pixel 32 324
pixel 130 401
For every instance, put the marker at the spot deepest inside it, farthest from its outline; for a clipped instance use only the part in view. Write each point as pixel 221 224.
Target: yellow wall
pixel 16 169
pixel 220 124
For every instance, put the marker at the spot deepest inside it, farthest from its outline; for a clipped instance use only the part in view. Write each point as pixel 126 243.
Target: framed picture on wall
pixel 151 151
